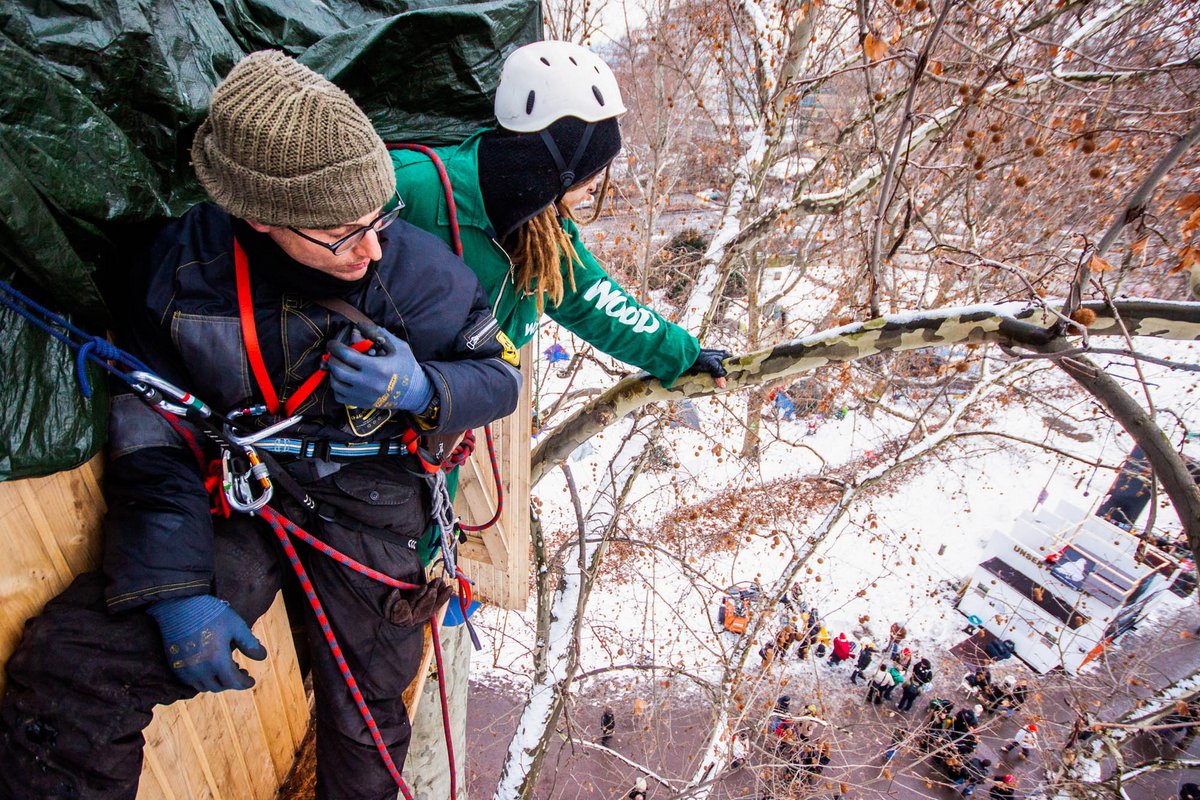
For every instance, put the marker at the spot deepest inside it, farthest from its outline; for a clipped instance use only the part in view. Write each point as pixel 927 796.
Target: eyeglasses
pixel 348 242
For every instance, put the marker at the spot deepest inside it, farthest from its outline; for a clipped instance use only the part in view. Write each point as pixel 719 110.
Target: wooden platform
pixel 497 559
pixel 228 746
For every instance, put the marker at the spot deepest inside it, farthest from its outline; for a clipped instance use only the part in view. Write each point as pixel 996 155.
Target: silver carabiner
pixel 167 396
pixel 265 433
pixel 239 493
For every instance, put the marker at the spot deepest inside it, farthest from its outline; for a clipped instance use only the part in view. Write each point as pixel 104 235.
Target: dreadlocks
pixel 539 243
pixel 537 248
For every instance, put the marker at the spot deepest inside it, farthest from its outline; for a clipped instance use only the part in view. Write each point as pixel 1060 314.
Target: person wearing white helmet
pixel 557 105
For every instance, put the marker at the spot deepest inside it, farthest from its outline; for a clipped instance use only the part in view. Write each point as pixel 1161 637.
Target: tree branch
pixel 1164 459
pixel 1135 207
pixel 1011 323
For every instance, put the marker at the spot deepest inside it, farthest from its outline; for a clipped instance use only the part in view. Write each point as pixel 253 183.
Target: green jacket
pixel 599 310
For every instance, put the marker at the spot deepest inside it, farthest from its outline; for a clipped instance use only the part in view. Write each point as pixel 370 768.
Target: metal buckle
pixel 315 448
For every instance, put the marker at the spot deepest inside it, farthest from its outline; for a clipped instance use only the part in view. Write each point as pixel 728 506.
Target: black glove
pixel 417 606
pixel 710 361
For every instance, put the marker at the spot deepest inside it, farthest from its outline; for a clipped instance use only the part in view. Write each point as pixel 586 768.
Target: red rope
pixel 282 527
pixel 447 189
pixel 456 244
pixel 487 431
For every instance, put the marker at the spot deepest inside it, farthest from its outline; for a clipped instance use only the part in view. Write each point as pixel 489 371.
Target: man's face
pixel 348 266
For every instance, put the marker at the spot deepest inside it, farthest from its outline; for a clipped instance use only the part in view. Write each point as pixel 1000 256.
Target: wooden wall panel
pixel 227 746
pixel 498 559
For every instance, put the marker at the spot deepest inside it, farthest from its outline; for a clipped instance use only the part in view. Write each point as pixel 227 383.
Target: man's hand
pixel 388 376
pixel 710 361
pixel 199 634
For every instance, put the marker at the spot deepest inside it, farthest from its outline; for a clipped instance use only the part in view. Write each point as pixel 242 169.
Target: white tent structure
pixel 1062 584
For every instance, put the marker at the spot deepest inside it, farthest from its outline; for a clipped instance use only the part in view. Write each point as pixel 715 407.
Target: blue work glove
pixel 199 634
pixel 387 376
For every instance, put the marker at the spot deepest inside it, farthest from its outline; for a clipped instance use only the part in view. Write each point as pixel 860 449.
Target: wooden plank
pixel 228 746
pixel 49 531
pixel 154 782
pixel 286 672
pixel 497 559
pixel 198 744
pixel 254 765
pixel 270 700
pixel 183 774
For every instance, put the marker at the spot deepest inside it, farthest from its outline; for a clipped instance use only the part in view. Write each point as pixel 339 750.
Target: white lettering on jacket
pixel 610 300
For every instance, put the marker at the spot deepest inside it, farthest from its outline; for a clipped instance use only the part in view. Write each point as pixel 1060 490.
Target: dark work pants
pixel 83 683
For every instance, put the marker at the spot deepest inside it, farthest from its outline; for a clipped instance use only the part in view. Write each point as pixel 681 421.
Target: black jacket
pixel 976 770
pixel 864 657
pixel 184 324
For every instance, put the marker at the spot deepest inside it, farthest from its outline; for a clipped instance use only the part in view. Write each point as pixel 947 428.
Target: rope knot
pixel 99 348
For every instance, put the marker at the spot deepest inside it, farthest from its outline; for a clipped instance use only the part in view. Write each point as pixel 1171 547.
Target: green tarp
pixel 98 106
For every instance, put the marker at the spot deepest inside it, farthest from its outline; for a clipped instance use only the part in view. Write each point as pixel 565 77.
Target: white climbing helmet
pixel 546 81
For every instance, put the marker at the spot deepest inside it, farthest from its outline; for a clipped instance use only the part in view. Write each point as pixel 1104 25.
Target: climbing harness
pixel 433 470
pixel 175 404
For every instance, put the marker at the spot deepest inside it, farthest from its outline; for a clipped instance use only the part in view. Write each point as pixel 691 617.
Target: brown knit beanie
pixel 283 146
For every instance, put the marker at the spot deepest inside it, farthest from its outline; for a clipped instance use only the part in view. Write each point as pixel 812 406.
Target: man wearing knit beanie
pixel 297 291
pixel 283 146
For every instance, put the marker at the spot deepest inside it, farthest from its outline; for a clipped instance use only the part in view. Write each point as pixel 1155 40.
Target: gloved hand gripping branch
pixel 387 376
pixel 710 361
pixel 199 634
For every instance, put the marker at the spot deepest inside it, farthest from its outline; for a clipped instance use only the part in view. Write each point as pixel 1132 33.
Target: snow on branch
pixel 732 234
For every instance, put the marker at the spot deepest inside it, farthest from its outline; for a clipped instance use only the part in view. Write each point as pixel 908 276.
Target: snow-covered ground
pixel 899 555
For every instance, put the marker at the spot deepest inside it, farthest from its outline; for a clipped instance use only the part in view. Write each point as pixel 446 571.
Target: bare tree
pixel 951 164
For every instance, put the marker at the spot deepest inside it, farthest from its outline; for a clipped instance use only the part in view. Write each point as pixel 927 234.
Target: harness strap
pixel 340 306
pixel 250 329
pixel 254 350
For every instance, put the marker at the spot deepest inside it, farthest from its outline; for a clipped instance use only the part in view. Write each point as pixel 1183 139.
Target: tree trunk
pixel 426 766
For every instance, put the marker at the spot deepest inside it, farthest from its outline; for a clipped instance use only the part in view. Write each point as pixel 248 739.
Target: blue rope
pixel 95 349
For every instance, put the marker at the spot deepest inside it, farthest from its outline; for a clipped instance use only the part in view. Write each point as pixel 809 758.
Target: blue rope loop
pixel 95 349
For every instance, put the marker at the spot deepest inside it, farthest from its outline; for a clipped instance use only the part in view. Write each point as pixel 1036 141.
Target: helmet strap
pixel 566 172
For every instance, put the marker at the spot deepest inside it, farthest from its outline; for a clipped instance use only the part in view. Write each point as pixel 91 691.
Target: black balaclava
pixel 518 176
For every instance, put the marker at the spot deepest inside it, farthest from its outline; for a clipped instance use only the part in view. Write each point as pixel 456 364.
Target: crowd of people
pixel 798 738
pixel 948 737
